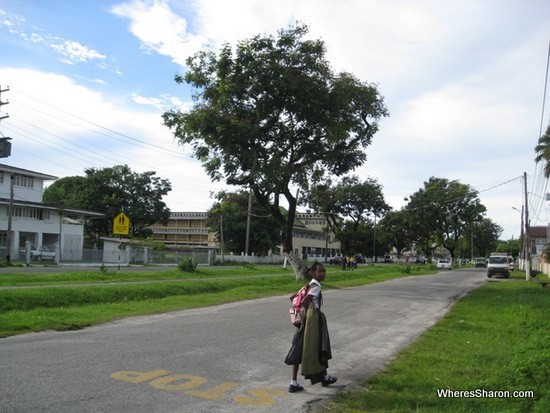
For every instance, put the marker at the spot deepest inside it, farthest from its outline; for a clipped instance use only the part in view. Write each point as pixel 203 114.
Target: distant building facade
pixel 27 219
pixel 185 230
pixel 188 230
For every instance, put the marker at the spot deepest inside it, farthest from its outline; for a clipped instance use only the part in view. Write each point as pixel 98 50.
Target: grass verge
pixel 494 340
pixel 64 301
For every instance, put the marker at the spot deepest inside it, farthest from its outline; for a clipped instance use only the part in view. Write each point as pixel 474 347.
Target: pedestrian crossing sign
pixel 121 224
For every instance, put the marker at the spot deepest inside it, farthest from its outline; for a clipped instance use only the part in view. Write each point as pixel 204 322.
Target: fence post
pixel 27 252
pixel 57 250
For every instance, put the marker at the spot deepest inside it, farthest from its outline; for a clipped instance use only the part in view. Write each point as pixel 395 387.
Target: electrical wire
pixel 540 181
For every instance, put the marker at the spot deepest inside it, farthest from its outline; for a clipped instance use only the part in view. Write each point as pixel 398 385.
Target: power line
pixel 540 181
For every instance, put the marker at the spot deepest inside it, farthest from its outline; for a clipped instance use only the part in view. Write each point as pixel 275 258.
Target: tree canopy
pixel 347 206
pixel 445 209
pixel 111 191
pixel 270 115
pixel 543 151
pixel 228 219
pixel 397 230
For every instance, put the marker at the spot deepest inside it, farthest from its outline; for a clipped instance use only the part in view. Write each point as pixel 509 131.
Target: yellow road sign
pixel 121 224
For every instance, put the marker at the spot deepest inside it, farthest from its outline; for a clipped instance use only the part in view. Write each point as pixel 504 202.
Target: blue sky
pixel 463 81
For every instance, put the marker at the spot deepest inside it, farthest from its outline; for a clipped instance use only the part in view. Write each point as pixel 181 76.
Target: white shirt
pixel 315 292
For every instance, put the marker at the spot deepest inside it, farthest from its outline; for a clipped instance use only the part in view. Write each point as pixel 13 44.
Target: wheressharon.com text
pixel 483 393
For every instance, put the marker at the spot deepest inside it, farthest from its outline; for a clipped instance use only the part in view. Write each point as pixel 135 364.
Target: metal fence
pixel 134 255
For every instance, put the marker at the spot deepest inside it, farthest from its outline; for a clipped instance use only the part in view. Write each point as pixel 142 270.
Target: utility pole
pixel 249 212
pixel 10 219
pixel 527 239
pixel 5 145
pixel 221 235
pixel 3 103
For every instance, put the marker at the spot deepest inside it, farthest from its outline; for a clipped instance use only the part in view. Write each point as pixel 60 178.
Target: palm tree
pixel 543 151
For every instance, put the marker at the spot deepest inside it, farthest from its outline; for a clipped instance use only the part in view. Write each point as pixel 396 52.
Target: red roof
pixel 538 232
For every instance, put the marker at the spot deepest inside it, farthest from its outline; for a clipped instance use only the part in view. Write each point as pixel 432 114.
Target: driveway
pixel 227 358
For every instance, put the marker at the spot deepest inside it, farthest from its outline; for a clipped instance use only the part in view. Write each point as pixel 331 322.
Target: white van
pixel 498 264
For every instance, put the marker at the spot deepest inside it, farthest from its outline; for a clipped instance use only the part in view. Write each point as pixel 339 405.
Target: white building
pixel 30 220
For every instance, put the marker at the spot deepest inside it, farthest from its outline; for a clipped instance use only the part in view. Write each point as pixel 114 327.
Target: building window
pixel 24 181
pixel 32 213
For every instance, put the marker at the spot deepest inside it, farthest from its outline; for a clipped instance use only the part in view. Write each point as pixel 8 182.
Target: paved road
pixel 227 358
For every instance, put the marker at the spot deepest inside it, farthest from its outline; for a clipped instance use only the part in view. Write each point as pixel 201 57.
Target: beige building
pixel 188 230
pixel 310 237
pixel 185 230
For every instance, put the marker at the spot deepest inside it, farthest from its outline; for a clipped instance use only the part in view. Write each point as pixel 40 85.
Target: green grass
pixel 64 301
pixel 494 339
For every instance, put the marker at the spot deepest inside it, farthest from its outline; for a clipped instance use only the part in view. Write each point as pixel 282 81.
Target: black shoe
pixel 316 379
pixel 329 380
pixel 293 388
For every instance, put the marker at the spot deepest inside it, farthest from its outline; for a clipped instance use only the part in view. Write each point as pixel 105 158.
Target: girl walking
pixel 311 343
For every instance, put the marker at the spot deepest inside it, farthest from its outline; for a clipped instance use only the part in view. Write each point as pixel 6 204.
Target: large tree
pixel 347 206
pixel 485 236
pixel 445 210
pixel 395 228
pixel 111 191
pixel 272 116
pixel 228 219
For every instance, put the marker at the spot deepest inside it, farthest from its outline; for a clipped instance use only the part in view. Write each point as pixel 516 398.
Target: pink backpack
pixel 297 311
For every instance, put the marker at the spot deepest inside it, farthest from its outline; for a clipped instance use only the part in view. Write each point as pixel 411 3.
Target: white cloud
pixel 159 29
pixel 76 52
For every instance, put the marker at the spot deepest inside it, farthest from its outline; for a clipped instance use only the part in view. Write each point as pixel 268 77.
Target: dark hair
pixel 315 265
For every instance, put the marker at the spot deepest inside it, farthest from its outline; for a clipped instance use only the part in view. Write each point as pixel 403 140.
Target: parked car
pixel 337 260
pixel 360 259
pixel 42 253
pixel 388 259
pixel 510 263
pixel 444 264
pixel 420 260
pixel 480 262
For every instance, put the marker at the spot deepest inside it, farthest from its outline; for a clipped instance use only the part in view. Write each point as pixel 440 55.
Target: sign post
pixel 121 226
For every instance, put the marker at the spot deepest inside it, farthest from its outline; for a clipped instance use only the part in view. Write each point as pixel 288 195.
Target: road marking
pixel 165 383
pixel 189 384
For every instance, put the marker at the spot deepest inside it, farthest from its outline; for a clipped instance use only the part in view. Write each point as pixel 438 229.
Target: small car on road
pixel 444 264
pixel 480 262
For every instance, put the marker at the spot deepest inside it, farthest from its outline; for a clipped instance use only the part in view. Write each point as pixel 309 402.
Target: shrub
pixel 187 265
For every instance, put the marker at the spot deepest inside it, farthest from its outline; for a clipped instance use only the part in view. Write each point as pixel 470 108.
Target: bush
pixel 187 265
pixel 405 269
pixel 248 265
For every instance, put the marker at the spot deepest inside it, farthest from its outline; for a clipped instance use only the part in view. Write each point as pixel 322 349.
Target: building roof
pixel 39 205
pixel 20 171
pixel 538 232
